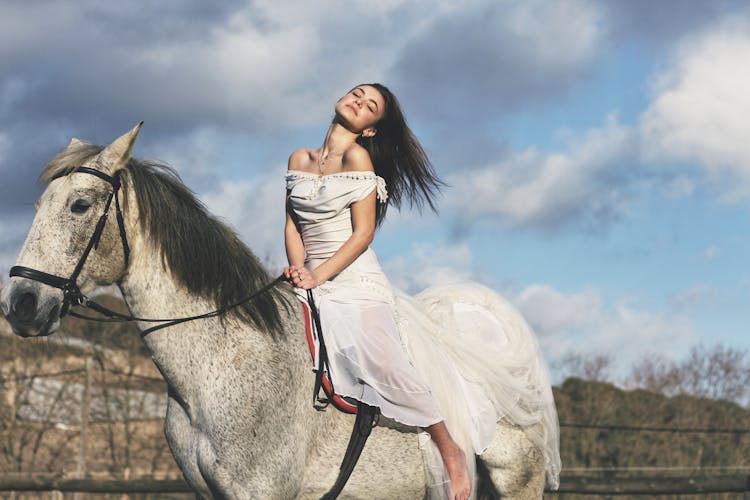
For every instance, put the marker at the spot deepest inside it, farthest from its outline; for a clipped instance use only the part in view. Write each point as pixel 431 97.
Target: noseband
pixel 72 295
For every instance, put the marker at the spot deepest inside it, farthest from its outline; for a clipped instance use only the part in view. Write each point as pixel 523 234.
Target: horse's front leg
pixel 183 443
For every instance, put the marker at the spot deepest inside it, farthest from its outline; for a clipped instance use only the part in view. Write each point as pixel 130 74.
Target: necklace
pixel 323 158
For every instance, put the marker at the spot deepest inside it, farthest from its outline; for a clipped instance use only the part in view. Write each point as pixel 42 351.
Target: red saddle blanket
pixel 340 403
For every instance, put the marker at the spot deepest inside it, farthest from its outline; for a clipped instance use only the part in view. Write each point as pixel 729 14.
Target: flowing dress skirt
pixel 458 353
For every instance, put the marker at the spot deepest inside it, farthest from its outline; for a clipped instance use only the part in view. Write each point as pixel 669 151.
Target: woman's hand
pixel 301 277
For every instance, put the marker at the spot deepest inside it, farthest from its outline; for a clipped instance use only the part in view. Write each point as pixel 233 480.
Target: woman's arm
pixel 363 232
pixel 295 249
pixel 363 227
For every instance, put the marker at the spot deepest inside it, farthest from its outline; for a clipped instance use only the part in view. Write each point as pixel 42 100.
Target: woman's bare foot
pixel 453 459
pixel 458 472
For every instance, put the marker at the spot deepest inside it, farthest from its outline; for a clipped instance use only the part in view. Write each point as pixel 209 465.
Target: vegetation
pixel 88 402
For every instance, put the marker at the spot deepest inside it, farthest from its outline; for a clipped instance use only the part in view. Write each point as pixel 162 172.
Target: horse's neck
pixel 187 353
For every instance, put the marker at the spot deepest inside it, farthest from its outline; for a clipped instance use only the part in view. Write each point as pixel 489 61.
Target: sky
pixel 597 154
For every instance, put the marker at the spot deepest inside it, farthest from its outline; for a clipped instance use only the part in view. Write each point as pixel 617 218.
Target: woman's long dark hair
pixel 399 159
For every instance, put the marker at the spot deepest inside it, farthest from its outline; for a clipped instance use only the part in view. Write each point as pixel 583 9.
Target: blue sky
pixel 596 152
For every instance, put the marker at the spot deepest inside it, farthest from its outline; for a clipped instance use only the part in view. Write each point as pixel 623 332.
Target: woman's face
pixel 360 109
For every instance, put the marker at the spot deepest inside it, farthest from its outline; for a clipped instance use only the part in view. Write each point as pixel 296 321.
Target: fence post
pixel 85 411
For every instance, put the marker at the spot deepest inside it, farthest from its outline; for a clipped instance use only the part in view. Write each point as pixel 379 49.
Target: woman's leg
pixel 454 460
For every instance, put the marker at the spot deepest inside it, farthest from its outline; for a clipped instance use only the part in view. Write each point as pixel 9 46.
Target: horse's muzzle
pixel 30 312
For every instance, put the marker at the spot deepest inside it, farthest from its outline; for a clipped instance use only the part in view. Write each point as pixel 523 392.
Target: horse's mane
pixel 200 251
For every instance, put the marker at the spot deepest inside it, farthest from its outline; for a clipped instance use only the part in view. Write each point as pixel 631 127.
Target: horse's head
pixel 67 214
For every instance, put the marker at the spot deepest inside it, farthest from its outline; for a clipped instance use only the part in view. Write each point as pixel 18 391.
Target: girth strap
pixel 366 415
pixel 320 403
pixel 365 421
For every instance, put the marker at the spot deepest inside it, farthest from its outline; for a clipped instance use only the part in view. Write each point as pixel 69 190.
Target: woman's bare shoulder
pixel 356 159
pixel 301 159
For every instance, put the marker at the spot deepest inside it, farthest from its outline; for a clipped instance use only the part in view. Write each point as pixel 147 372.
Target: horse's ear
pixel 117 154
pixel 74 143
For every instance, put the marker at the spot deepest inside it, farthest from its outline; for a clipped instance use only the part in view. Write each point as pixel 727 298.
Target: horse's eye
pixel 80 206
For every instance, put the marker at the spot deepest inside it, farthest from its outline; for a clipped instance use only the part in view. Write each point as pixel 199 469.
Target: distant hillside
pixel 585 402
pixel 44 385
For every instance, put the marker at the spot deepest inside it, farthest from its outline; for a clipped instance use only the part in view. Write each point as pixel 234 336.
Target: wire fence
pixel 601 481
pixel 648 428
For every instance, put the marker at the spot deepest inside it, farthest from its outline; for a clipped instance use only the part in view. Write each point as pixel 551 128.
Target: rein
pixel 72 295
pixel 114 316
pixel 366 417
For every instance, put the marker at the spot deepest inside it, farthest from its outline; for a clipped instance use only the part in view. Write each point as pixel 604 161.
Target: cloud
pixel 255 209
pixel 431 264
pixel 196 155
pixel 552 311
pixel 24 149
pixel 256 66
pixel 698 111
pixel 660 23
pixel 592 181
pixel 207 72
pixel 13 231
pixel 694 124
pixel 694 297
pixel 584 322
pixel 4 145
pixel 486 58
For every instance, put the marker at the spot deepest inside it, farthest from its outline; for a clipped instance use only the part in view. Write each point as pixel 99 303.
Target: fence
pixel 569 484
pixel 91 411
pixel 80 420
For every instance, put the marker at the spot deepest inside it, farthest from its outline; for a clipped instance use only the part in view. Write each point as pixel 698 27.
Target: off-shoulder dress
pixel 459 353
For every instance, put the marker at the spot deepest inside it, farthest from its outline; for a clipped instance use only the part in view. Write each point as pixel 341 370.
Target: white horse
pixel 239 420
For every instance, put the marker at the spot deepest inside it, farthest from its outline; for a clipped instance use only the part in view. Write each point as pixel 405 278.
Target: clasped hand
pixel 300 277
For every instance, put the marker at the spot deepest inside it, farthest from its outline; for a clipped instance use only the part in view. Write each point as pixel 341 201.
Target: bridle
pixel 72 295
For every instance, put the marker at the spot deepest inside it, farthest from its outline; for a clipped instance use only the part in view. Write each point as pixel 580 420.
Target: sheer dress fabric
pixel 458 353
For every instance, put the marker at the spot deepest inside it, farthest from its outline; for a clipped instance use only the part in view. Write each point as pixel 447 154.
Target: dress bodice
pixel 322 204
pixel 467 348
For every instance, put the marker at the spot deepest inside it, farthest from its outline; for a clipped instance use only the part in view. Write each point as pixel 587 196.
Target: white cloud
pixel 255 209
pixel 552 311
pixel 696 116
pixel 699 109
pixel 583 322
pixel 532 188
pixel 429 264
pixel 260 66
pixel 197 156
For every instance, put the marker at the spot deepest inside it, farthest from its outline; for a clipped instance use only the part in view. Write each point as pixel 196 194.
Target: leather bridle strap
pixel 72 295
pixel 114 316
pixel 367 415
pixel 319 402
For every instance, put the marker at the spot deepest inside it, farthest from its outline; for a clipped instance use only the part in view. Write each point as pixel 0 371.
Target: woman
pixel 336 197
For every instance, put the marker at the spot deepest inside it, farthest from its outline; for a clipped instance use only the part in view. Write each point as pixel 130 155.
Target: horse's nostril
pixel 54 313
pixel 24 307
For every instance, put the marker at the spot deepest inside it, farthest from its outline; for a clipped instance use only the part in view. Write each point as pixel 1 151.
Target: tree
pixel 589 366
pixel 717 372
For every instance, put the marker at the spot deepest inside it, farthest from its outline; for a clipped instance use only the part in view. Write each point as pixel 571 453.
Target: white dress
pixel 459 353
